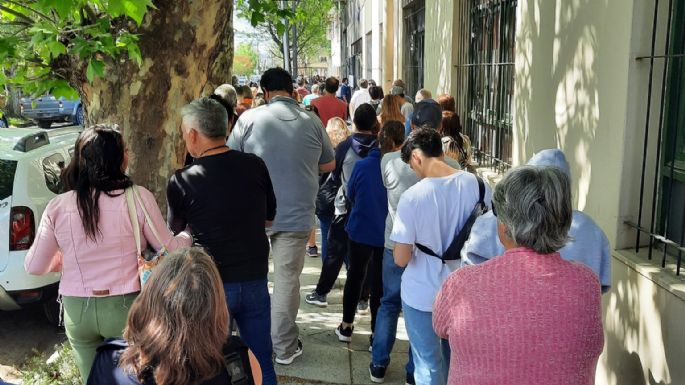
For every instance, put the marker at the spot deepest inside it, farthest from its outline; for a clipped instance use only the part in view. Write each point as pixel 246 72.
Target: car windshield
pixel 7 170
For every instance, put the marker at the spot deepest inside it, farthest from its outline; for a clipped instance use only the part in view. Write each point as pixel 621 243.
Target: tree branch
pixel 44 16
pixel 17 14
pixel 273 34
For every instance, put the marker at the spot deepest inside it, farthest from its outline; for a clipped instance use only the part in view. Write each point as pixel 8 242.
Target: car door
pixel 7 171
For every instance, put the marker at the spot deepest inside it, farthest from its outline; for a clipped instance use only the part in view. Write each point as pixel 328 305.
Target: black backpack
pixel 454 250
pixel 325 197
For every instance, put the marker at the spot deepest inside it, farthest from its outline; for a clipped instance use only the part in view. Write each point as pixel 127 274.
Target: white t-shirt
pixel 360 97
pixel 431 213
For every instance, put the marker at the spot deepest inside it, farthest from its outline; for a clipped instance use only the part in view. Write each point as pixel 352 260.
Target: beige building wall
pixel 579 88
pixel 644 341
pixel 571 86
pixel 440 46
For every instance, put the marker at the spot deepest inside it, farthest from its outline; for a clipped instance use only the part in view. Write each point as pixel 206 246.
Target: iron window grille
pixel 665 226
pixel 486 74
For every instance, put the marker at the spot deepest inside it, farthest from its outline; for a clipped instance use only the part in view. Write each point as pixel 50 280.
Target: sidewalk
pixel 326 360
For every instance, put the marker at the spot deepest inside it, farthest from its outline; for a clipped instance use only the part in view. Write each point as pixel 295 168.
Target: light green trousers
pixel 88 321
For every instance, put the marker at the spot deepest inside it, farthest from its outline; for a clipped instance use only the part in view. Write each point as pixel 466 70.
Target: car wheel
pixel 44 123
pixel 78 117
pixel 52 311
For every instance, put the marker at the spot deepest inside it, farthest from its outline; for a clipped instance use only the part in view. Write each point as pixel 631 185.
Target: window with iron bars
pixel 661 216
pixel 485 74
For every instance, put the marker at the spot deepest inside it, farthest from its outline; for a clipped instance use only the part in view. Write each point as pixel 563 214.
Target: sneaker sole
pixel 341 337
pixel 316 303
pixel 288 361
pixel 376 380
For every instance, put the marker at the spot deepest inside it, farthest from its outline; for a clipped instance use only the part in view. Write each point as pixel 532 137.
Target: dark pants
pixel 250 307
pixel 363 259
pixel 336 254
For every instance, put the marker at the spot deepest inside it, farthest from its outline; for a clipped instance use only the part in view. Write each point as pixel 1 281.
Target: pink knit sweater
pixel 522 318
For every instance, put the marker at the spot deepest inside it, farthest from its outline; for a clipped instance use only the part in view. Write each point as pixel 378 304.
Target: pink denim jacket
pixel 108 266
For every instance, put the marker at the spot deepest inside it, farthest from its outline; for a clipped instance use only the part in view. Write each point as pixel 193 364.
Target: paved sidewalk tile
pixel 326 360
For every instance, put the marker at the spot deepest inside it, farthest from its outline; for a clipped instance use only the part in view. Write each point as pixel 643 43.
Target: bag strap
pixel 481 201
pixel 481 189
pixel 427 250
pixel 133 216
pixel 147 216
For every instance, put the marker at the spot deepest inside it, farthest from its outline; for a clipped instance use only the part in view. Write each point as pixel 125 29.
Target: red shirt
pixel 329 106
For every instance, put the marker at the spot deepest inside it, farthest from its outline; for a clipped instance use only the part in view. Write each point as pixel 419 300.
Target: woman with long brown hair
pixel 455 144
pixel 86 234
pixel 391 109
pixel 176 330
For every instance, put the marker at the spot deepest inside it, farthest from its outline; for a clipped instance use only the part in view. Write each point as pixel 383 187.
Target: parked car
pixel 3 120
pixel 242 80
pixel 31 161
pixel 47 109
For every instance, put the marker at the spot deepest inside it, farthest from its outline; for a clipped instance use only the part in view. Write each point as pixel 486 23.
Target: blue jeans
pixel 324 224
pixel 250 307
pixel 431 353
pixel 386 320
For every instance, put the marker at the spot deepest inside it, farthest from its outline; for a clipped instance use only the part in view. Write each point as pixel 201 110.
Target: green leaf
pixel 62 7
pixel 95 68
pixel 280 29
pixel 134 53
pixel 256 19
pixel 135 9
pixel 61 88
pixel 56 48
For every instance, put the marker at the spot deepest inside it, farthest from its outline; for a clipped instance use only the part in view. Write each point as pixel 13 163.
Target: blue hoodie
pixel 369 198
pixel 587 244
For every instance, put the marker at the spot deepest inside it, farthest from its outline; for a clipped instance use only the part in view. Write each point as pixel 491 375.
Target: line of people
pixel 403 177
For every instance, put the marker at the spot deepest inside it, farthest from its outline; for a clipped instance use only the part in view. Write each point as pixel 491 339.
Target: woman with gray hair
pixel 528 316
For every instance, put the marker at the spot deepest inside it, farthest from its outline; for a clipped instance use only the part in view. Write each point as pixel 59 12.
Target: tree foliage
pixel 310 18
pixel 56 45
pixel 245 60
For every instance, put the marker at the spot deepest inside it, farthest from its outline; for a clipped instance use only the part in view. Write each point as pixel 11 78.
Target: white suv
pixel 31 161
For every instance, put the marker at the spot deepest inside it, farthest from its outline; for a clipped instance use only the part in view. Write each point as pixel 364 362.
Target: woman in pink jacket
pixel 87 234
pixel 529 316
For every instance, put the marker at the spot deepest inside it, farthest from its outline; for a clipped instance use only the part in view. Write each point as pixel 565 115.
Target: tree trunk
pixel 187 49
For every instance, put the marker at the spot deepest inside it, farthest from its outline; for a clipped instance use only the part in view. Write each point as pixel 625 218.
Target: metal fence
pixel 665 227
pixel 486 76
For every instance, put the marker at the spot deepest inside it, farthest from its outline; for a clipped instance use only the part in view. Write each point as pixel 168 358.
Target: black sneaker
pixel 410 379
pixel 363 307
pixel 377 373
pixel 344 335
pixel 315 298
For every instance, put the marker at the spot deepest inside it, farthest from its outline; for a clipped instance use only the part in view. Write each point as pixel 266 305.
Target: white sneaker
pixel 289 360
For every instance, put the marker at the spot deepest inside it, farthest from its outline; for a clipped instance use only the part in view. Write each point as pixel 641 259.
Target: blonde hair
pixel 179 322
pixel 337 130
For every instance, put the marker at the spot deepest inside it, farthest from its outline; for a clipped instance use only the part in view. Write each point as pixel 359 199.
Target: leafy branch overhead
pixel 259 12
pixel 43 41
pixel 310 18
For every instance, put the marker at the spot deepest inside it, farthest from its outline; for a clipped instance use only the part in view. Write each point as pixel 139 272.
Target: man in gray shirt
pixel 294 145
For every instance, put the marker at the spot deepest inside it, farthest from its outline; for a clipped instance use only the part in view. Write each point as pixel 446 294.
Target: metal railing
pixel 665 227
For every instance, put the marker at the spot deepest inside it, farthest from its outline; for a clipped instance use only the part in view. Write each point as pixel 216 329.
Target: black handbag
pixel 325 197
